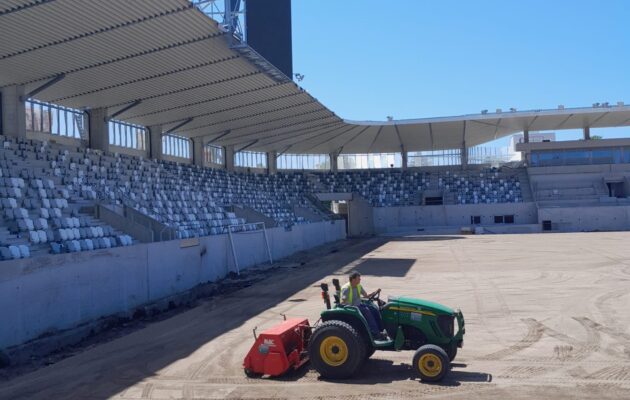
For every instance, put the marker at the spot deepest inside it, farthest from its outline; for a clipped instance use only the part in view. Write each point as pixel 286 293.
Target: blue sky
pixel 368 59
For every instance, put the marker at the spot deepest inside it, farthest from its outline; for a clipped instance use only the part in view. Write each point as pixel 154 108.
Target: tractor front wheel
pixel 431 363
pixel 451 351
pixel 336 350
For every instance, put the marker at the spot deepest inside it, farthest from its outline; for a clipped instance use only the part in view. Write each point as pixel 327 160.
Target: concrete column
pixel 404 160
pixel 99 129
pixel 229 157
pixel 155 142
pixel 198 156
pixel 334 166
pixel 13 112
pixel 272 162
pixel 464 155
pixel 587 133
pixel 525 136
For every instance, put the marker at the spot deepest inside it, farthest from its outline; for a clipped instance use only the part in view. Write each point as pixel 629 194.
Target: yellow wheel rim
pixel 430 365
pixel 333 351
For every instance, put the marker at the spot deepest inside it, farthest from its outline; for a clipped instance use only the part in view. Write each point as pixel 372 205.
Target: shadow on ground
pixel 379 371
pixel 395 267
pixel 109 368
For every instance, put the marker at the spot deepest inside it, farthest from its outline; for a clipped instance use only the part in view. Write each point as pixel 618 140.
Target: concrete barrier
pixel 49 294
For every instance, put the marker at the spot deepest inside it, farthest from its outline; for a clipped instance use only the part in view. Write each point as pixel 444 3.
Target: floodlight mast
pixel 230 15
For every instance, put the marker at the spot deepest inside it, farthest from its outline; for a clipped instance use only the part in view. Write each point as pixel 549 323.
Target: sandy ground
pixel 547 316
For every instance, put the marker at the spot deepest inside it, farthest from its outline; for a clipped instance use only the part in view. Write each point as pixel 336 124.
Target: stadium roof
pixel 164 62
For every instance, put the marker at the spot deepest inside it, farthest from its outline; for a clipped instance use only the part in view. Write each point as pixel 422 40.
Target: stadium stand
pixel 395 188
pixel 41 195
pixel 44 187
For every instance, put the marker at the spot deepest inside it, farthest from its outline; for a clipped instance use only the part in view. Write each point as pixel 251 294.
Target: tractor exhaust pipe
pixel 325 295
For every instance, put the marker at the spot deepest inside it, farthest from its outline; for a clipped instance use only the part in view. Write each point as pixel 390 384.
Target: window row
pixel 127 135
pixel 434 158
pixel 250 159
pixel 54 119
pixel 176 146
pixel 304 161
pixel 580 157
pixel 369 161
pixel 214 154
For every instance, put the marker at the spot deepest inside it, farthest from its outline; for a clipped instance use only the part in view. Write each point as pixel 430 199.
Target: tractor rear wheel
pixel 431 363
pixel 336 350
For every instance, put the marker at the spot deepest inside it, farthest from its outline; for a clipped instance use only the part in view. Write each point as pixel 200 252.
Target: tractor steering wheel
pixel 376 296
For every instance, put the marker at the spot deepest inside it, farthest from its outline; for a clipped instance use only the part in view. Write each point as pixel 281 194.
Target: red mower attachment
pixel 279 348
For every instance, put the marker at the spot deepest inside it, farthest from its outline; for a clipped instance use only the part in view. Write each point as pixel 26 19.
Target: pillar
pixel 334 167
pixel 464 155
pixel 404 159
pixel 587 133
pixel 155 142
pixel 229 158
pixel 526 136
pixel 13 111
pixel 198 154
pixel 272 162
pixel 99 130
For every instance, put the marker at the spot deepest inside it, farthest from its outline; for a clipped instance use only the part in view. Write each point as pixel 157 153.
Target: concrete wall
pixel 58 139
pixel 360 217
pixel 129 151
pixel 391 219
pixel 48 294
pixel 599 218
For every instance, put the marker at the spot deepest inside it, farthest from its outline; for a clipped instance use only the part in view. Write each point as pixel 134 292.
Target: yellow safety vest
pixel 349 287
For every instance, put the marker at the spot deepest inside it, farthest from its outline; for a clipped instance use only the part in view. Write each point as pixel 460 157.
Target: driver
pixel 351 294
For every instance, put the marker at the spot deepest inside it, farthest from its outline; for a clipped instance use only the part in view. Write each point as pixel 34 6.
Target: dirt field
pixel 547 316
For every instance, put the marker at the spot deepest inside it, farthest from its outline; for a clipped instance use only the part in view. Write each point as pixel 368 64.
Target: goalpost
pixel 260 227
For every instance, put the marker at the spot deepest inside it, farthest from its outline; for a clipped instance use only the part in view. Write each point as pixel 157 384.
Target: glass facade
pixel 214 154
pixel 127 135
pixel 304 161
pixel 434 158
pixel 176 146
pixel 604 155
pixel 250 159
pixel 54 119
pixel 369 161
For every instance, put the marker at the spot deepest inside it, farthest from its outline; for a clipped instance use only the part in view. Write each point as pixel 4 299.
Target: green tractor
pixel 342 342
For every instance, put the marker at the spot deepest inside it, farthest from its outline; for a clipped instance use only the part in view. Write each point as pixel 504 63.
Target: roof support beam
pixel 124 109
pixel 244 117
pixel 247 146
pixel 380 128
pixel 176 127
pixel 347 129
pixel 354 137
pixel 283 151
pixel 402 147
pixel 431 136
pixel 214 99
pixel 42 87
pixel 83 35
pixel 145 78
pixel 296 133
pixel 224 134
